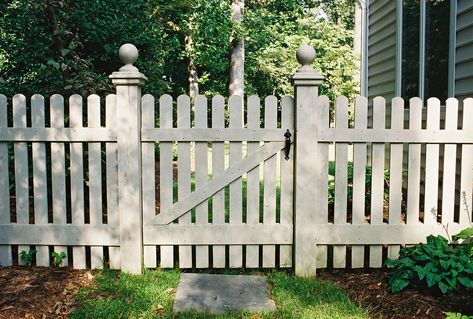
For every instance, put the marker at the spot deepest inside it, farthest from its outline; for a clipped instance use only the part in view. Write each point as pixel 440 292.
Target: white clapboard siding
pixel 287 179
pixel 165 175
pixel 77 178
pixel 322 113
pixel 112 178
pixel 58 170
pixel 377 178
pixel 21 168
pixel 431 165
pixel 270 172
pixel 395 172
pixel 218 167
pixel 466 184
pixel 359 178
pixel 341 178
pixel 253 182
pixel 148 166
pixel 201 177
pixel 38 152
pixel 235 105
pixel 5 250
pixel 184 173
pixel 95 179
pixel 413 165
pixel 449 162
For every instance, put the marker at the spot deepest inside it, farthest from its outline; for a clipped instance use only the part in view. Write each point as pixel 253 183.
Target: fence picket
pixel 431 165
pixel 359 178
pixel 413 176
pixel 235 104
pixel 449 164
pixel 395 172
pixel 286 179
pixel 165 175
pixel 77 178
pixel 148 183
pixel 218 166
pixel 5 250
pixel 341 178
pixel 184 173
pixel 253 182
pixel 112 177
pixel 58 169
pixel 201 177
pixel 466 186
pixel 270 171
pixel 377 178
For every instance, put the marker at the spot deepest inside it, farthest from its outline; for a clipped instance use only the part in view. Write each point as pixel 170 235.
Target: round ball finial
pixel 305 54
pixel 128 53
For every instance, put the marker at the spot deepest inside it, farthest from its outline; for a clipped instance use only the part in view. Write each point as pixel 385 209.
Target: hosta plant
pixel 434 264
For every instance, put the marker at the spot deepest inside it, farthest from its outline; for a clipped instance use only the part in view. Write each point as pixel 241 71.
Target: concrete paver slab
pixel 219 293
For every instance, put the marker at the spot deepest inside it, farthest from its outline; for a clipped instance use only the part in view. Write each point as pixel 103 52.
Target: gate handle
pixel 287 146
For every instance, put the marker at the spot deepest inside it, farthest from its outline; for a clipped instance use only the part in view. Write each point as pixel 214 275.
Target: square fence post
pixel 128 81
pixel 307 189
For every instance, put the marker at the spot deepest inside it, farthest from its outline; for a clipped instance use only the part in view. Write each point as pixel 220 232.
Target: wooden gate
pixel 204 201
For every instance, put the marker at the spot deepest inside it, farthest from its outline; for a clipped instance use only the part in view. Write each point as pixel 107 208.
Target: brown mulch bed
pixel 369 289
pixel 40 292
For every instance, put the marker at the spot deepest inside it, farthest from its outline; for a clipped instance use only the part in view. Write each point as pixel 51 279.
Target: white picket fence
pixel 227 195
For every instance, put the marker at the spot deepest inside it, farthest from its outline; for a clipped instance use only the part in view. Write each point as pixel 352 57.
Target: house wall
pixel 464 50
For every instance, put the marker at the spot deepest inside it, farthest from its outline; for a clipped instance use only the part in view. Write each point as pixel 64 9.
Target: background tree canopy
pixel 70 46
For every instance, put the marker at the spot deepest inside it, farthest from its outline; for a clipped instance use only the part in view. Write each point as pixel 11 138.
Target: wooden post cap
pixel 305 55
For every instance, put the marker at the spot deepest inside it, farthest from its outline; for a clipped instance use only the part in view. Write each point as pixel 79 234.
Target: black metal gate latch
pixel 287 145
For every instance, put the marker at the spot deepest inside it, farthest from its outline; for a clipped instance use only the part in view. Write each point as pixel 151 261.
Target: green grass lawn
pixel 151 295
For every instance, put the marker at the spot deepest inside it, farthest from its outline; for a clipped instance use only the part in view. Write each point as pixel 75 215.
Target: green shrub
pixel 434 264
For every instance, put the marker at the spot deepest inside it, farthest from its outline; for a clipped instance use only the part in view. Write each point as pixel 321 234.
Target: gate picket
pixel 201 177
pixel 466 186
pixel 218 167
pixel 449 162
pixel 253 182
pixel 413 166
pixel 432 165
pixel 5 250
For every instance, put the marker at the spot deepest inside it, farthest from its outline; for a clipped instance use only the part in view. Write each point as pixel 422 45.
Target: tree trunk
pixel 191 69
pixel 237 54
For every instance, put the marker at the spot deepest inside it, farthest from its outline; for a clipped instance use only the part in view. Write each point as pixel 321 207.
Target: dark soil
pixel 369 289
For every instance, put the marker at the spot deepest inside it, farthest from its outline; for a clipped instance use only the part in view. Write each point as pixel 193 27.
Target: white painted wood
pixel 165 177
pixel 77 178
pixel 235 105
pixel 341 178
pixel 218 167
pixel 128 101
pixel 377 178
pixel 112 177
pixel 227 234
pixel 287 179
pixel 213 134
pixel 270 172
pixel 449 164
pixel 5 250
pixel 58 134
pixel 59 235
pixel 359 178
pixel 466 184
pixel 395 172
pixel 432 165
pixel 39 176
pixel 58 169
pixel 95 178
pixel 184 174
pixel 253 182
pixel 201 177
pixel 413 166
pixel 150 257
pixel 21 164
pixel 148 170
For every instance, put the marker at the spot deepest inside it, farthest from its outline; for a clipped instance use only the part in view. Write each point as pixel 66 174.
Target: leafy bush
pixel 434 264
pixel 27 257
pixel 58 258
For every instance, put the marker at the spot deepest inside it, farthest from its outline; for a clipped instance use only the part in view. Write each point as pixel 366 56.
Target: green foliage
pixel 456 315
pixel 27 257
pixel 58 258
pixel 433 264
